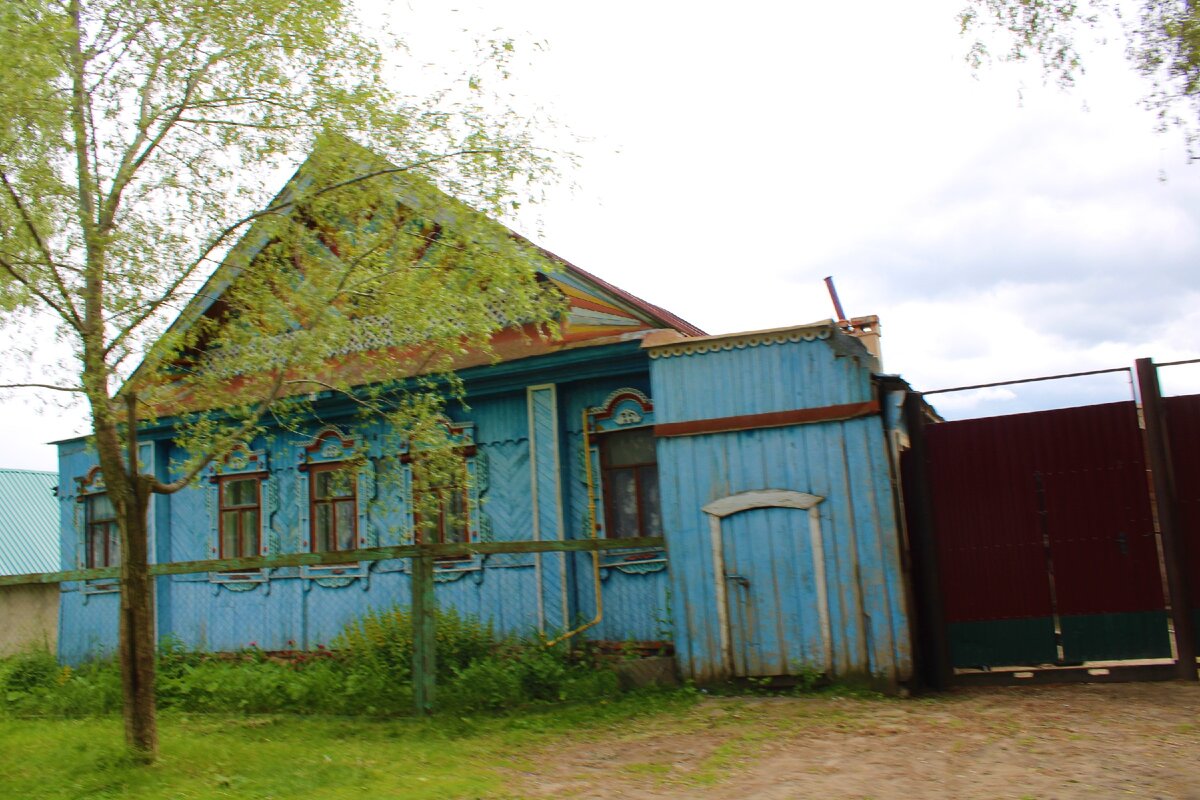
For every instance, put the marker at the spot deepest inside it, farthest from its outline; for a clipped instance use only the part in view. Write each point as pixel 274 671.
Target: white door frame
pixel 717 510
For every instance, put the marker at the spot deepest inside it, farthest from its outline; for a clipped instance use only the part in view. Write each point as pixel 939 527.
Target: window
pixel 441 506
pixel 629 470
pixel 102 538
pixel 333 511
pixel 240 515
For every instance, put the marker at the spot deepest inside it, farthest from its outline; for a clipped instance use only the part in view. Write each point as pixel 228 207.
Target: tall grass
pixel 368 671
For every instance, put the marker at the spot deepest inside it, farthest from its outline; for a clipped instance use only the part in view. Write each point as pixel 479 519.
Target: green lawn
pixel 279 756
pixel 1071 742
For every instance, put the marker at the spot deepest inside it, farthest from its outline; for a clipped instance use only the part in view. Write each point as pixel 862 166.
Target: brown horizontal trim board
pixel 771 419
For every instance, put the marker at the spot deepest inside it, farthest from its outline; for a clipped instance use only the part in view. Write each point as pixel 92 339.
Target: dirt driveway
pixel 1093 741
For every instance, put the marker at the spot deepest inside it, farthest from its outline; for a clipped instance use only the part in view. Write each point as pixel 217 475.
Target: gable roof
pixel 597 310
pixel 28 522
pixel 657 316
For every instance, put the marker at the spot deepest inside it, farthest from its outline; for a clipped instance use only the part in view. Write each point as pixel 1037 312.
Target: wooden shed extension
pixel 779 514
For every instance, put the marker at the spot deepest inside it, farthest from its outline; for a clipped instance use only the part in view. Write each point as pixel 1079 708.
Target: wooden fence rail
pixel 344 557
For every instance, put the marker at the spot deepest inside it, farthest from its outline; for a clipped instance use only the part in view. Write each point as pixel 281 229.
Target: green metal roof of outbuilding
pixel 28 522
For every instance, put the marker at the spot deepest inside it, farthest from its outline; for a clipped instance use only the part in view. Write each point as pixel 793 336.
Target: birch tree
pixel 1160 37
pixel 138 142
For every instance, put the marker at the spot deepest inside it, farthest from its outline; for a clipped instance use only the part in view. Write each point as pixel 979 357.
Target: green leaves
pixel 139 143
pixel 1162 41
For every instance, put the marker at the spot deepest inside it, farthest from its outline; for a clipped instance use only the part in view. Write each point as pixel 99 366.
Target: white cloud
pixel 735 155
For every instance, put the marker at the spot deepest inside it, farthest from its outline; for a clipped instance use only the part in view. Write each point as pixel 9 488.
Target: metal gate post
pixel 1158 460
pixel 932 635
pixel 424 625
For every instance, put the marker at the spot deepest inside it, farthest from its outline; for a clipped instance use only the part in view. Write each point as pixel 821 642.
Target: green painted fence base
pixel 1087 637
pixel 1116 637
pixel 1002 642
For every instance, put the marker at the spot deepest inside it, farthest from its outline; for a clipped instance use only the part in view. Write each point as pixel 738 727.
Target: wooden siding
pixel 844 463
pixel 291 611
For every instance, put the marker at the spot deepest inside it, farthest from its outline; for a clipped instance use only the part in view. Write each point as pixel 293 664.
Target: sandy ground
pixel 1094 741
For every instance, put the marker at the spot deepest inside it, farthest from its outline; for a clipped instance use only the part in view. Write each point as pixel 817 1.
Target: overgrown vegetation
pixel 367 671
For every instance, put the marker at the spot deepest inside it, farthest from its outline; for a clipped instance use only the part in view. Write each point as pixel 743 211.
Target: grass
pixel 277 756
pixel 680 743
pixel 448 756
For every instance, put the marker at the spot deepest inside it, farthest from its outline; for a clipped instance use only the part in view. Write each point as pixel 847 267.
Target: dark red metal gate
pixel 1045 539
pixel 1183 431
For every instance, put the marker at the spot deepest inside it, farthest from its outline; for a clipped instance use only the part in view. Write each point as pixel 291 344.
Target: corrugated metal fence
pixel 1048 539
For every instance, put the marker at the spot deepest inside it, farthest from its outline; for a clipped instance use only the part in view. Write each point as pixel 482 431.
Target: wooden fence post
pixel 1158 459
pixel 424 605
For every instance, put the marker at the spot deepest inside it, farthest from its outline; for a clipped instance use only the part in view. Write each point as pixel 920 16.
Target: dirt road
pixel 1093 741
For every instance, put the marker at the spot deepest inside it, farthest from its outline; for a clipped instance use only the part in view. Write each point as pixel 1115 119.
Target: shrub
pixel 544 672
pixel 383 641
pixel 488 684
pixel 29 672
pixel 34 683
pixel 368 672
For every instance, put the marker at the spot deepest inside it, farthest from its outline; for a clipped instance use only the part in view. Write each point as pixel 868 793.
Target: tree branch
pixel 41 386
pixel 330 387
pixel 70 319
pixel 38 239
pixel 225 442
pixel 275 208
pixel 130 163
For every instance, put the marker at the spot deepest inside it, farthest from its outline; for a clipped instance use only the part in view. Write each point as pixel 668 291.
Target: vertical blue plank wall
pixel 302 608
pixel 88 610
pixel 528 438
pixel 852 542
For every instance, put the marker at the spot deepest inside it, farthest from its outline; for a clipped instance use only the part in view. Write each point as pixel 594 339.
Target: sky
pixel 733 155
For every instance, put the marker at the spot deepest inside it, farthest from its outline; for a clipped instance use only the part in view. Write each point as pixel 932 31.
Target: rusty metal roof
pixel 28 522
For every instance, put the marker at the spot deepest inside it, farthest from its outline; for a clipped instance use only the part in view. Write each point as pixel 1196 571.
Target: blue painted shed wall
pixel 293 612
pixel 760 379
pixel 843 462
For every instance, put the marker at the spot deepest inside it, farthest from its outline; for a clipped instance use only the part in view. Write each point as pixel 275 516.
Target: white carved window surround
pixel 240 466
pixel 331 448
pixel 624 468
pixel 464 521
pixel 91 501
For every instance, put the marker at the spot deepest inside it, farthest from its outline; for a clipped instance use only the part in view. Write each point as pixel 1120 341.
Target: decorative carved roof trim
pixel 740 341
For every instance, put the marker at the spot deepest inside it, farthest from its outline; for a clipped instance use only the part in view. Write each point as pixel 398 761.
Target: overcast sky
pixel 733 155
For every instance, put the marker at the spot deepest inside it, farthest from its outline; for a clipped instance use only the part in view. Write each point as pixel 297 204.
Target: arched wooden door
pixel 768 553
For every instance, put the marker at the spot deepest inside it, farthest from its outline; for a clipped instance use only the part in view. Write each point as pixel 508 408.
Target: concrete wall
pixel 30 618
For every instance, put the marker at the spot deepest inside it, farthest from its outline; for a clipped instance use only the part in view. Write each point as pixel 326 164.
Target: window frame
pixel 463 488
pixel 351 472
pixel 221 481
pixel 111 528
pixel 608 493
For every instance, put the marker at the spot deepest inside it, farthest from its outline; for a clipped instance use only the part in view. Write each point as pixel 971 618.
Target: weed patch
pixel 367 672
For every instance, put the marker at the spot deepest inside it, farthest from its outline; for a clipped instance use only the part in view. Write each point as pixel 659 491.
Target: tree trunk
pixel 136 634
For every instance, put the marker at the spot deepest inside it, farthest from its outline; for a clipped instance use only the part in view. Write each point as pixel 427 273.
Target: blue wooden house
pixel 765 459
